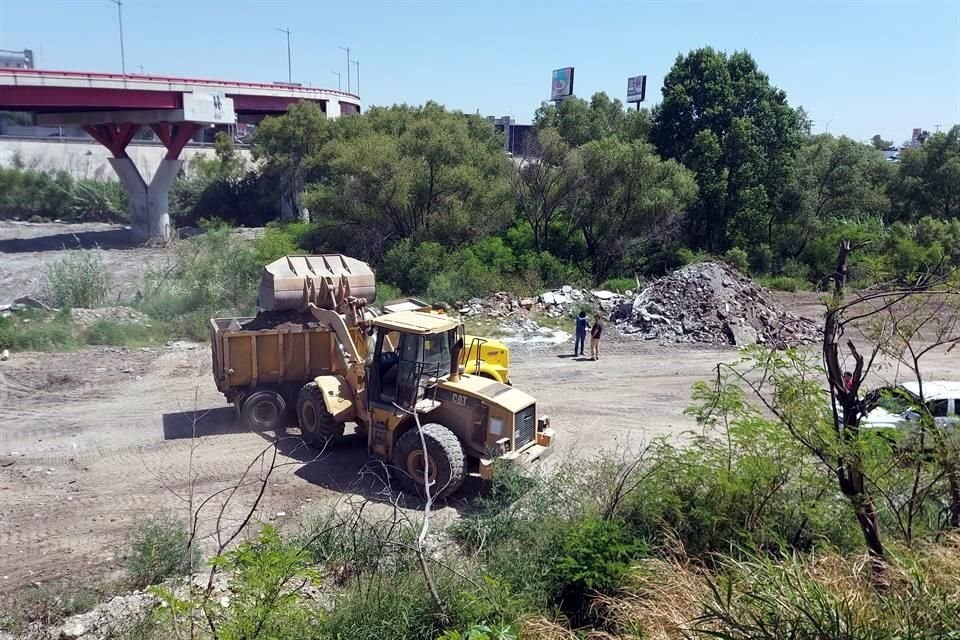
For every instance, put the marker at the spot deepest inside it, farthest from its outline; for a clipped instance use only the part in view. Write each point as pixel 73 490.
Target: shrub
pixel 124 334
pixel 213 274
pixel 793 268
pixel 594 556
pixel 77 280
pixel 282 239
pixel 738 259
pixel 691 256
pixel 413 266
pixel 157 549
pixel 39 195
pixel 50 604
pixel 619 285
pixel 387 292
pixel 784 283
pixel 35 331
pixel 545 269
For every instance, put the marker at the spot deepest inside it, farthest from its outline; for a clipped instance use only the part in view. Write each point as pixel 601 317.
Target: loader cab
pixel 409 349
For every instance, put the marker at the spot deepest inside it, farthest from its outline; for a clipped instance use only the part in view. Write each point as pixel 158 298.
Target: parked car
pixel 898 406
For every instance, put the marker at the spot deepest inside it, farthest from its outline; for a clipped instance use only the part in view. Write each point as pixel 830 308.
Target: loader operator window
pixel 436 353
pixel 402 373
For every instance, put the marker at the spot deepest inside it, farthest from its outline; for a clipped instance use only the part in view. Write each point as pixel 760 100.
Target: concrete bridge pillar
pixel 149 204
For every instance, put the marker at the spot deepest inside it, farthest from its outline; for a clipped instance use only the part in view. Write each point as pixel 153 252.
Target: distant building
pixel 516 137
pixel 16 59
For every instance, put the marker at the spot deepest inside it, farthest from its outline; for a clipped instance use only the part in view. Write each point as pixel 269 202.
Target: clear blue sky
pixel 868 67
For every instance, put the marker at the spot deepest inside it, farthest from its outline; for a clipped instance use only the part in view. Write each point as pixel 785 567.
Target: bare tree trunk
pixel 850 474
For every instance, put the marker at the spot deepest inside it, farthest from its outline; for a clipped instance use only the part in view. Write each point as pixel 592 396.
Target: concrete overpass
pixel 112 108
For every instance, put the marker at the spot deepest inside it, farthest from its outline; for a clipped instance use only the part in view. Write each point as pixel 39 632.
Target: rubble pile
pixel 557 303
pixel 711 303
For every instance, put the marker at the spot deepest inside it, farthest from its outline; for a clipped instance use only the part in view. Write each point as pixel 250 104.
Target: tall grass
pixel 212 274
pixel 79 279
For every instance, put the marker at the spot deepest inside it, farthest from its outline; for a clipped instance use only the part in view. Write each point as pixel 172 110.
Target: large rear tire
pixel 318 428
pixel 446 461
pixel 264 410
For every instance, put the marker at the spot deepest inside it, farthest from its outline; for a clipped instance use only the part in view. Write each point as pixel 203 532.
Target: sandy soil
pixel 93 440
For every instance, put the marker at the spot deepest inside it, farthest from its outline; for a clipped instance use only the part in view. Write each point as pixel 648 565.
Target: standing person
pixel 848 380
pixel 581 333
pixel 595 332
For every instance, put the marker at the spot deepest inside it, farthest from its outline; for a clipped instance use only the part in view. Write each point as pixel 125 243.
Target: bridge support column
pixel 149 204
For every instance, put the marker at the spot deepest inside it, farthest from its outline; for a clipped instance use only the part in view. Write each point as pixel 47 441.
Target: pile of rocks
pixel 711 303
pixel 556 303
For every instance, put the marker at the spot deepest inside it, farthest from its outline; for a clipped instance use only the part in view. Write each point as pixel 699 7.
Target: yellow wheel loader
pixel 377 371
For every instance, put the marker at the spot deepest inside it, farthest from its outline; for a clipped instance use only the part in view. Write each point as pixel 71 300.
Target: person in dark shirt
pixel 595 332
pixel 581 333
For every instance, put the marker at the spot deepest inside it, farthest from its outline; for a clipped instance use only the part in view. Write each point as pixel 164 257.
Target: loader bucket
pixel 292 283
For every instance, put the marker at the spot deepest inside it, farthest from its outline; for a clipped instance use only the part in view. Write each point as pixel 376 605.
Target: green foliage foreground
pixel 740 533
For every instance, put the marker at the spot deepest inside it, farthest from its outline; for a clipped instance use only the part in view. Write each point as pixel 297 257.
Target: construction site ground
pixel 93 440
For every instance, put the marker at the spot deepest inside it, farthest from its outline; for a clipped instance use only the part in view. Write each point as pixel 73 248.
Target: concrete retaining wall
pixel 83 159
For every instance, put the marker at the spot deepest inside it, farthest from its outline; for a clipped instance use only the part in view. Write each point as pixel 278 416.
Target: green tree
pixel 628 193
pixel 421 172
pixel 578 121
pixel 879 143
pixel 833 178
pixel 546 185
pixel 721 117
pixel 288 146
pixel 929 179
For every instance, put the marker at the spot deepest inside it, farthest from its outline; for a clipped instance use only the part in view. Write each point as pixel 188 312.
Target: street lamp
pixel 357 62
pixel 339 76
pixel 289 65
pixel 826 127
pixel 123 59
pixel 347 49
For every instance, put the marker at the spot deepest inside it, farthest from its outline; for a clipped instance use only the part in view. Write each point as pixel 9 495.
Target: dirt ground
pixel 93 440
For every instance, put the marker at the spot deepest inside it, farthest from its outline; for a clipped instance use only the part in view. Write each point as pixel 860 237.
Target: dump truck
pixel 385 373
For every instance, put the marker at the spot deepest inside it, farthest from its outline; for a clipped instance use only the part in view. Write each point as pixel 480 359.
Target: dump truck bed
pixel 286 353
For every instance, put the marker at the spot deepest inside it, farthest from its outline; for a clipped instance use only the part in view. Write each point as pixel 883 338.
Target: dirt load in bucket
pixel 711 303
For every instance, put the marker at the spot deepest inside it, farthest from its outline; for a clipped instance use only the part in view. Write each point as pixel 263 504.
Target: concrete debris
pixel 109 619
pixel 127 315
pixel 557 303
pixel 711 303
pixel 27 301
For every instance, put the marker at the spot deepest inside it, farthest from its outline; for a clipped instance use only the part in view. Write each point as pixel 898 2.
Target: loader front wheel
pixel 444 460
pixel 264 410
pixel 317 427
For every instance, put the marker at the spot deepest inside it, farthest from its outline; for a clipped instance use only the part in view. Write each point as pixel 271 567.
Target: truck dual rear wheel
pixel 264 410
pixel 445 460
pixel 317 426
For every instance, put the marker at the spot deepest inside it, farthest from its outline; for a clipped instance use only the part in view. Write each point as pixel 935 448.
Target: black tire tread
pixel 246 409
pixel 449 446
pixel 329 431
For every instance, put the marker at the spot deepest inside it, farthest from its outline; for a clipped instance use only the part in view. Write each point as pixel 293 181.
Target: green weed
pixel 77 280
pixel 157 549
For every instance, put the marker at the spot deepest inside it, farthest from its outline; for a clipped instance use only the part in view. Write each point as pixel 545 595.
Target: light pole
pixel 123 58
pixel 347 49
pixel 826 127
pixel 339 75
pixel 357 62
pixel 289 64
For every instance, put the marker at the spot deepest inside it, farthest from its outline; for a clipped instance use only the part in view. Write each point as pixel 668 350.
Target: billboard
pixel 636 89
pixel 562 85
